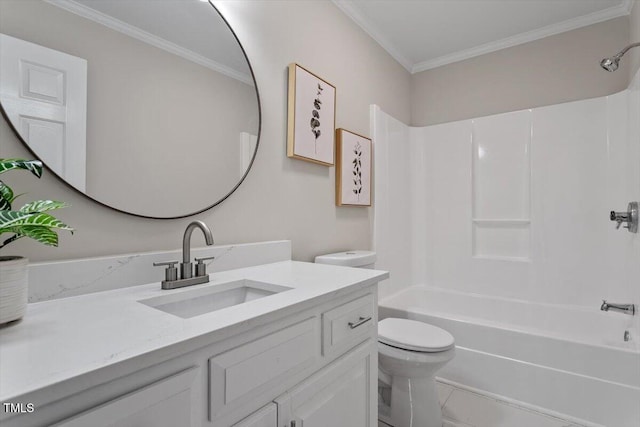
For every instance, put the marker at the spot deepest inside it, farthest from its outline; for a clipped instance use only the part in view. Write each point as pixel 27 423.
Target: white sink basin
pixel 198 301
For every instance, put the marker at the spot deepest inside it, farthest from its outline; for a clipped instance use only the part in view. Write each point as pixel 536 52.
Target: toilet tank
pixel 358 259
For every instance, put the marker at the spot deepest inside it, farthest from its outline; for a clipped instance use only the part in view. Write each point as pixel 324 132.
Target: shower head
pixel 611 64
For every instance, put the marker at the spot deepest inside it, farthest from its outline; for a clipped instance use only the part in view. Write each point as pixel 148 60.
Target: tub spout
pixel 623 308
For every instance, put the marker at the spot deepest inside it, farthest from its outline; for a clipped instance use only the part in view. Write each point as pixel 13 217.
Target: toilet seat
pixel 412 364
pixel 413 335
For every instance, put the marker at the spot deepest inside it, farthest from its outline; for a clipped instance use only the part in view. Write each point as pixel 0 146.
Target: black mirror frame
pixel 225 197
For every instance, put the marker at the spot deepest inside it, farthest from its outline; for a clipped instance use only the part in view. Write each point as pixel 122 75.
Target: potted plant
pixel 30 220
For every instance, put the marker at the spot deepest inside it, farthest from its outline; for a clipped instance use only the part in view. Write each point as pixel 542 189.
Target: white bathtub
pixel 540 355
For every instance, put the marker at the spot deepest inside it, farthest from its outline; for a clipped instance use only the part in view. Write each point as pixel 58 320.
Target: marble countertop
pixel 62 339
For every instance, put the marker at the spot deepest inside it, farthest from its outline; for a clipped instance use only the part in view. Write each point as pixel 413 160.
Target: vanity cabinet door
pixel 261 367
pixel 267 416
pixel 165 403
pixel 340 395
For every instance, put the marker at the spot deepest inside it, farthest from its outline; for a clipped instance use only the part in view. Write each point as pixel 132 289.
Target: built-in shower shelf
pixel 501 186
pixel 501 239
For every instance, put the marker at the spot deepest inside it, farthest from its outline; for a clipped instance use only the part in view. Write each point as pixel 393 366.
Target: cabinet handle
pixel 361 321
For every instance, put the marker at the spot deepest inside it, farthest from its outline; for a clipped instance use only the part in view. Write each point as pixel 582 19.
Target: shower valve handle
pixel 630 217
pixel 618 217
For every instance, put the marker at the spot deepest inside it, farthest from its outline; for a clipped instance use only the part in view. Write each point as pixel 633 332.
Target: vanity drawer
pixel 345 324
pixel 240 374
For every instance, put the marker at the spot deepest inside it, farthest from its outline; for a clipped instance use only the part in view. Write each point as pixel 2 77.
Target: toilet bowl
pixel 410 353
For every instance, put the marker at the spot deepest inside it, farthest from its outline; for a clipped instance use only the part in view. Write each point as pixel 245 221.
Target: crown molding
pixel 582 21
pixel 159 42
pixel 349 9
pixel 374 32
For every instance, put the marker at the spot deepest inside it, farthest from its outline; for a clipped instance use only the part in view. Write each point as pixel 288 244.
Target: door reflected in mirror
pixel 148 107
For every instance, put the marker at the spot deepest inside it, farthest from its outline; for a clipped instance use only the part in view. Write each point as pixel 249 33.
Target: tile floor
pixel 463 408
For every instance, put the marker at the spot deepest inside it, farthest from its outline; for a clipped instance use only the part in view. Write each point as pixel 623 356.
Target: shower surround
pixel 515 208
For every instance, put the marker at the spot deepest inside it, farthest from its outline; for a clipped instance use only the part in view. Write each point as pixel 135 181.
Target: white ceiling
pixel 424 34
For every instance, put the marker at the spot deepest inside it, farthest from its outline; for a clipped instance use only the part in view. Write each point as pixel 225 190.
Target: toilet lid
pixel 413 335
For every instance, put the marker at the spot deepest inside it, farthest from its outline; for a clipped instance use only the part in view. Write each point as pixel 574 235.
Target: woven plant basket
pixel 13 288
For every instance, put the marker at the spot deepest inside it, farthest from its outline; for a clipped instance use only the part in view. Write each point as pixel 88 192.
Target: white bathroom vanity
pixel 301 350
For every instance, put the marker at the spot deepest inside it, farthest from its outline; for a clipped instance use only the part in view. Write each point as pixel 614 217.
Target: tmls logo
pixel 19 408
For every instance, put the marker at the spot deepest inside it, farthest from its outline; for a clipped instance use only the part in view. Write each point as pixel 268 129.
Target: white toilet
pixel 410 353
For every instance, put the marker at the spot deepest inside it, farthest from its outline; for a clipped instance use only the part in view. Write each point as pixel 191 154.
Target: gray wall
pixel 281 198
pixel 556 69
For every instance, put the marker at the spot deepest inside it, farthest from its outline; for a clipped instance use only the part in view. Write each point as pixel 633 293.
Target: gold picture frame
pixel 311 117
pixel 354 169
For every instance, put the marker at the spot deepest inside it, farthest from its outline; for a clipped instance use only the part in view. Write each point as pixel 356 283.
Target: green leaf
pixel 43 219
pixel 11 218
pixel 42 206
pixel 6 196
pixel 42 234
pixel 31 220
pixel 33 166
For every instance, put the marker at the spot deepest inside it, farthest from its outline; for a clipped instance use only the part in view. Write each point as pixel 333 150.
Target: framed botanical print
pixel 353 169
pixel 311 117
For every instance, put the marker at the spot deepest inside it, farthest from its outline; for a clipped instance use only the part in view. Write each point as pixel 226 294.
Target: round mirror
pixel 148 107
